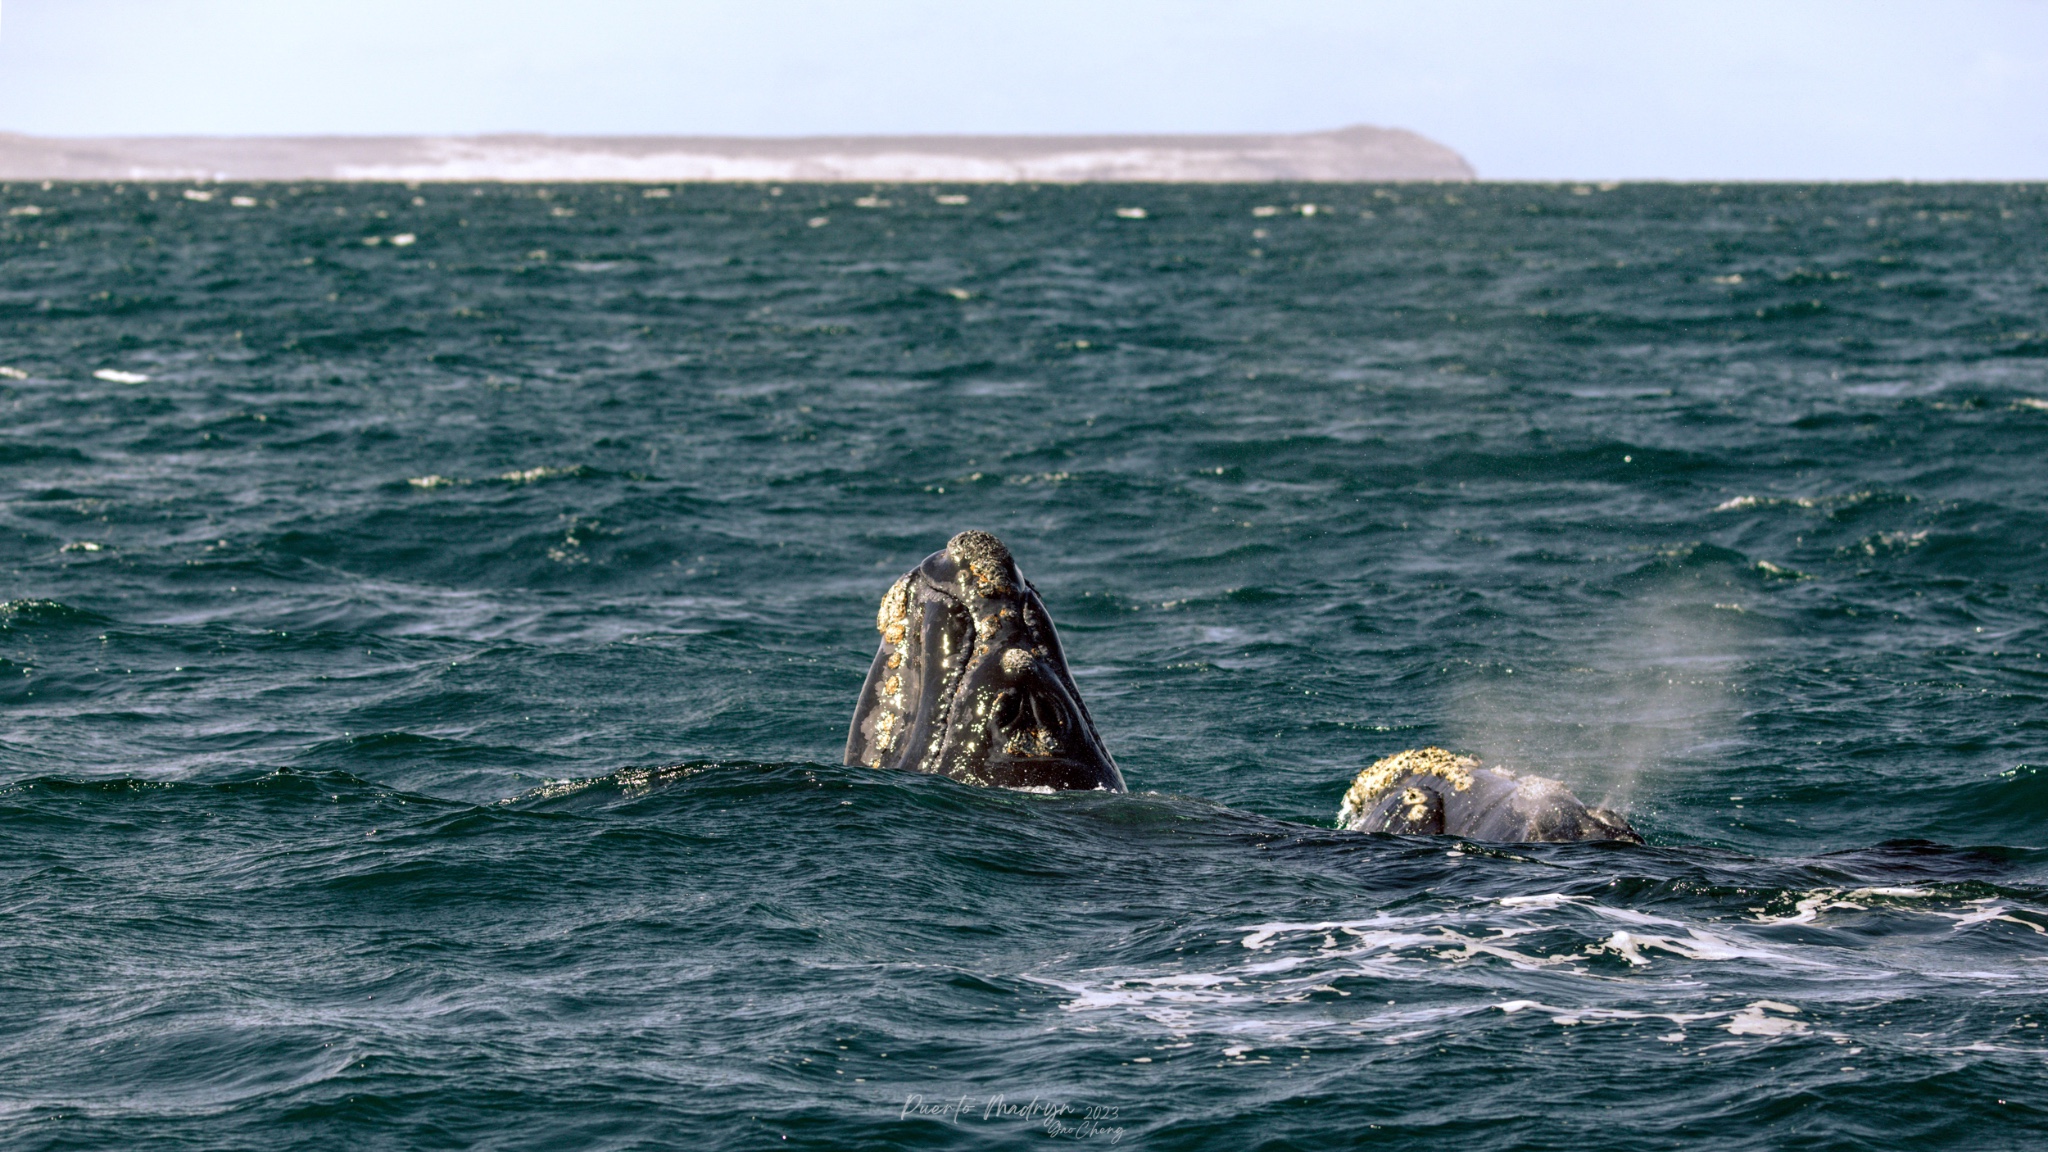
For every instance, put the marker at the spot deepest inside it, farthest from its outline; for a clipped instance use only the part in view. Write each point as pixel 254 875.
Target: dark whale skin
pixel 1431 792
pixel 970 681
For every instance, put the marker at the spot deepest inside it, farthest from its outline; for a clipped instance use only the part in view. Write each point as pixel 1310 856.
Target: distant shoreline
pixel 1357 153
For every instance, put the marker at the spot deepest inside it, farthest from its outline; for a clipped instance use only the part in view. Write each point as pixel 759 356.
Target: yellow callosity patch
pixel 988 578
pixel 886 722
pixel 1037 742
pixel 1418 803
pixel 985 628
pixel 892 619
pixel 986 561
pixel 1384 773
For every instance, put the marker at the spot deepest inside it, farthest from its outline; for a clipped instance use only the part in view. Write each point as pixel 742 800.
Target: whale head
pixel 970 681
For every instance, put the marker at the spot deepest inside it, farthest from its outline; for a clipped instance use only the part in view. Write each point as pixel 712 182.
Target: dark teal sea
pixel 432 615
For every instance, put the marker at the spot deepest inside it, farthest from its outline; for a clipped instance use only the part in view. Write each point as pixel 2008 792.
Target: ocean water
pixel 432 617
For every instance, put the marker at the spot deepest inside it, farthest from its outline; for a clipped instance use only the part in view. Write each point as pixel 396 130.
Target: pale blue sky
pixel 1724 89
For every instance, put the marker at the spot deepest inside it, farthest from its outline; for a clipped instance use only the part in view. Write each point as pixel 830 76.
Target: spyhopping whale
pixel 970 683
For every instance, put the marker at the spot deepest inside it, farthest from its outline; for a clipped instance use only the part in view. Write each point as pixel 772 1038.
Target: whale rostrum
pixel 970 681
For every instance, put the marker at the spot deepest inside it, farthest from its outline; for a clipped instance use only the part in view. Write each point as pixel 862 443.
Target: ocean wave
pixel 443 740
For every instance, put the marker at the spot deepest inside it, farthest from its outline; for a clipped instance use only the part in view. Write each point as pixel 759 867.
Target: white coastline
pixel 1356 153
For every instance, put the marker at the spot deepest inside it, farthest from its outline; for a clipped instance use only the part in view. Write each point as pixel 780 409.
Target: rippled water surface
pixel 432 617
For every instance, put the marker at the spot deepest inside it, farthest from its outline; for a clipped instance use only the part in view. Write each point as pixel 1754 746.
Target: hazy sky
pixel 1720 89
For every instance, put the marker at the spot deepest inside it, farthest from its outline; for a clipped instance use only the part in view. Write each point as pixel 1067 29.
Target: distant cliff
pixel 1356 153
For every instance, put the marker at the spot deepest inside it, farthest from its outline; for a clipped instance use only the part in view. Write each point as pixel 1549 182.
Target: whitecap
pixel 1754 1021
pixel 532 475
pixel 1546 900
pixel 116 376
pixel 1694 945
pixel 1808 910
pixel 1631 916
pixel 1262 934
pixel 1986 915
